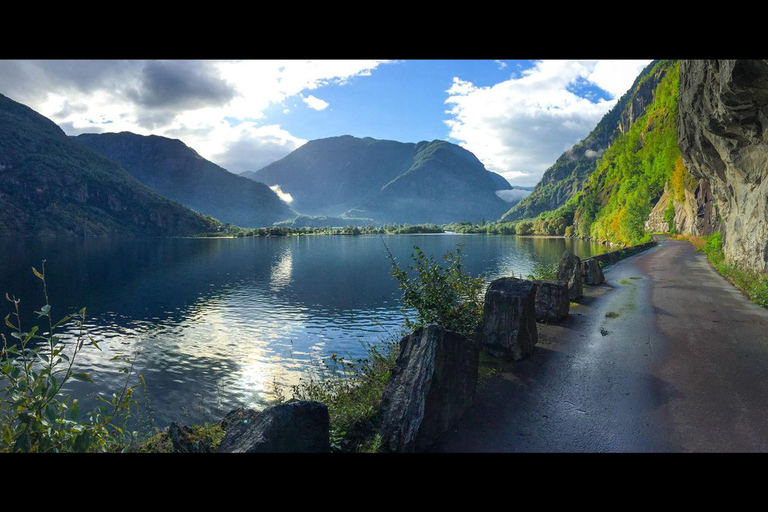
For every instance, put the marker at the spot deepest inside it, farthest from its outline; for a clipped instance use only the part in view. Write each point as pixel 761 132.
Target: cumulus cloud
pixel 616 76
pixel 519 127
pixel 180 85
pixel 315 103
pixel 215 107
pixel 31 82
pixel 255 147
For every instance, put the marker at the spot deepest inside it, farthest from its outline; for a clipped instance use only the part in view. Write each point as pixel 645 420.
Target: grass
pixel 352 392
pixel 635 277
pixel 624 281
pixel 752 283
pixel 611 314
pixel 209 434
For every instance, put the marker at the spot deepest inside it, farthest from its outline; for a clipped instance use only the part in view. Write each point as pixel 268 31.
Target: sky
pixel 516 116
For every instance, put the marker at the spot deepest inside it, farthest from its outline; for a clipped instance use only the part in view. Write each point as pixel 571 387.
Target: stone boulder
pixel 431 386
pixel 592 272
pixel 552 301
pixel 237 416
pixel 569 270
pixel 509 318
pixel 293 427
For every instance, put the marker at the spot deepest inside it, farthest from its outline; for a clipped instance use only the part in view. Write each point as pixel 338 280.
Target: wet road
pixel 666 356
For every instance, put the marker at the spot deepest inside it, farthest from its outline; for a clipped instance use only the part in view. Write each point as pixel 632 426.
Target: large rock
pixel 569 270
pixel 591 272
pixel 723 137
pixel 509 318
pixel 552 301
pixel 293 427
pixel 431 386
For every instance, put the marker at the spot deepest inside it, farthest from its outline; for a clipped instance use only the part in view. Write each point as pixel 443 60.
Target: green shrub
pixel 524 227
pixel 753 283
pixel 352 390
pixel 546 271
pixel 442 294
pixel 35 414
pixel 714 246
pixel 669 216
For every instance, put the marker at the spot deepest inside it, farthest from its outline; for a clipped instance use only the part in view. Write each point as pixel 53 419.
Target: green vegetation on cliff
pixel 631 175
pixel 569 173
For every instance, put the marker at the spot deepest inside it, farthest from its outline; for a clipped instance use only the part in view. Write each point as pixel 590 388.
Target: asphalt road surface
pixel 665 356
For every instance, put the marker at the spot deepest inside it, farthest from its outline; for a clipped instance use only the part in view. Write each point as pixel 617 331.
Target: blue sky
pixel 517 117
pixel 403 101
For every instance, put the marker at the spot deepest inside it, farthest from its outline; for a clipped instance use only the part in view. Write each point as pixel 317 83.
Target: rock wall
pixel 696 215
pixel 641 98
pixel 609 258
pixel 723 137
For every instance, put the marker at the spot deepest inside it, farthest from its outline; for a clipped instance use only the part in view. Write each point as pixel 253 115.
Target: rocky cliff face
pixel 641 97
pixel 723 137
pixel 696 215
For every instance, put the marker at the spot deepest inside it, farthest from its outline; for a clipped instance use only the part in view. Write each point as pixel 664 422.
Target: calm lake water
pixel 216 324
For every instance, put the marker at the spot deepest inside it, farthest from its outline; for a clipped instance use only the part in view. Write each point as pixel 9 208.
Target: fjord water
pixel 215 324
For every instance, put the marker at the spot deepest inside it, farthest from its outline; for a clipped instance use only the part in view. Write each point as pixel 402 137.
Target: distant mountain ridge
pixel 389 181
pixel 50 184
pixel 174 170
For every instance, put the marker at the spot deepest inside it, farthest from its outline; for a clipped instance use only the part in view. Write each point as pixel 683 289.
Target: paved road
pixel 679 365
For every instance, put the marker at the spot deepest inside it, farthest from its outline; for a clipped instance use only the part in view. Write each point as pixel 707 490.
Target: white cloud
pixel 213 106
pixel 593 154
pixel 616 76
pixel 513 195
pixel 315 103
pixel 285 196
pixel 249 147
pixel 519 127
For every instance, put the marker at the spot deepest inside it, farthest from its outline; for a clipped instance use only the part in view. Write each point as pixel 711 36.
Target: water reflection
pixel 217 324
pixel 281 271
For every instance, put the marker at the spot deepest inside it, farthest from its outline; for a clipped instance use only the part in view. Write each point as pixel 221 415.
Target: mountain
pixel 176 171
pixel 386 180
pixel 330 176
pixel 690 157
pixel 50 184
pixel 444 184
pixel 634 171
pixel 571 170
pixel 620 198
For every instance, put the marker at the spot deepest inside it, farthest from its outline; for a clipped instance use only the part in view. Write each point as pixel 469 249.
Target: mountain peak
pixel 345 175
